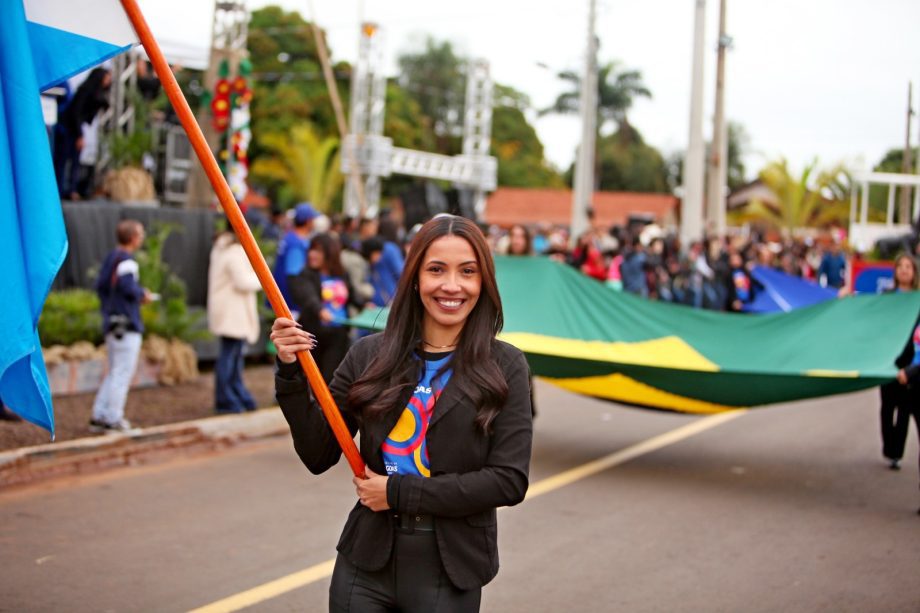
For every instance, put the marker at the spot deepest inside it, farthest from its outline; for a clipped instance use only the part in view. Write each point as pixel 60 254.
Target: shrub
pixel 168 317
pixel 70 316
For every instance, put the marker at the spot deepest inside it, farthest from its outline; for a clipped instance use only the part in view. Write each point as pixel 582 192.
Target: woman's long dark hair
pixel 90 98
pixel 528 240
pixel 396 369
pixel 332 253
pixel 913 264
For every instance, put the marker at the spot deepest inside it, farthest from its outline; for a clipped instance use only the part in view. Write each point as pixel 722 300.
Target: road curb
pixel 92 454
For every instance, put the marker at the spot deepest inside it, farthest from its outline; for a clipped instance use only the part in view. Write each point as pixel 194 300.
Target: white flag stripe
pixel 103 20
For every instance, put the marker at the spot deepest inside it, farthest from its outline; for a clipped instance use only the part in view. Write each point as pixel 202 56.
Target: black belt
pixel 409 523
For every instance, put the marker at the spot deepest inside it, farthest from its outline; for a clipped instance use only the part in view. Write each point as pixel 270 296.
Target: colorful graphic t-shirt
pixel 742 285
pixel 335 297
pixel 405 451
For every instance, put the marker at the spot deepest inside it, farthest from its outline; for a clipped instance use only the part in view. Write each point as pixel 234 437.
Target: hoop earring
pixel 415 287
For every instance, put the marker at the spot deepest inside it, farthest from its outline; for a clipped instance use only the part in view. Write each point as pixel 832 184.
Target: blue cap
pixel 303 213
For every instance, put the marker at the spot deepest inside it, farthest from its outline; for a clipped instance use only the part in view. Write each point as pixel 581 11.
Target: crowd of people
pixel 644 260
pixel 640 259
pixel 329 268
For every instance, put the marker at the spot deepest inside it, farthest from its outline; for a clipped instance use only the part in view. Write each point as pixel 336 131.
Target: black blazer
pixel 471 473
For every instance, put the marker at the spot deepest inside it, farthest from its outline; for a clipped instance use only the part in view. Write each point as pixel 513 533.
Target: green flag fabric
pixel 587 338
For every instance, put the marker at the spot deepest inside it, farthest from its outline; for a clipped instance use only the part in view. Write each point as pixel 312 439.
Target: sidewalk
pixel 92 454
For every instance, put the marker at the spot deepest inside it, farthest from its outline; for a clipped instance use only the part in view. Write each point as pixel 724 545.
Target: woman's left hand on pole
pixel 289 338
pixel 372 491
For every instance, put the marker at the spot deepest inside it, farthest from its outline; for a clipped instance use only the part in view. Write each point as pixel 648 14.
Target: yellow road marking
pixel 270 589
pixel 578 473
pixel 324 569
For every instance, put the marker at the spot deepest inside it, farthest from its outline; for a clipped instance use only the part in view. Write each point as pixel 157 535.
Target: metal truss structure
pixel 119 117
pixel 229 30
pixel 375 155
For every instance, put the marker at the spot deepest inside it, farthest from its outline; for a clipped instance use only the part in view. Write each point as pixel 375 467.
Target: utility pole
pixel 906 164
pixel 354 177
pixel 691 215
pixel 718 156
pixel 584 164
pixel 915 220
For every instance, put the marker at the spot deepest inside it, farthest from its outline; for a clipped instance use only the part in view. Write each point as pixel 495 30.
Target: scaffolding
pixel 229 31
pixel 119 118
pixel 863 233
pixel 376 157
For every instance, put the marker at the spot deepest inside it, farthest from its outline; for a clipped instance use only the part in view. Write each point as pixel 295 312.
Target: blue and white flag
pixel 43 42
pixel 70 36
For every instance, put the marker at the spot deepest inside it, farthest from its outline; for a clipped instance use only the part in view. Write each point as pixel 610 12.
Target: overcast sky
pixel 806 78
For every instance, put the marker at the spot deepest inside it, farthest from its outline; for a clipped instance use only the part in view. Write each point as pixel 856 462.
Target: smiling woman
pixel 444 412
pixel 448 286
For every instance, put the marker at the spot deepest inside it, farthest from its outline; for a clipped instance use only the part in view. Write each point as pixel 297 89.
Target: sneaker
pixel 97 427
pixel 895 465
pixel 100 427
pixel 122 425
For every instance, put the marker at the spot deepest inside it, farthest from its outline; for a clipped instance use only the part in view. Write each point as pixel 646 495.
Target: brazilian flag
pixel 584 337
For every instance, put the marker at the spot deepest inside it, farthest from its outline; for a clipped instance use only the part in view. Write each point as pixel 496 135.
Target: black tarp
pixel 91 234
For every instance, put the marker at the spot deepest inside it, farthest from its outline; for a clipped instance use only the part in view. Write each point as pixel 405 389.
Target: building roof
pixel 510 205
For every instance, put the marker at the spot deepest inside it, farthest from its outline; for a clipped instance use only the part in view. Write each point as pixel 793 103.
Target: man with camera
pixel 121 296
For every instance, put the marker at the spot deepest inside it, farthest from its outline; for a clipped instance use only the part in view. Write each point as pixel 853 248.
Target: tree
pixel 806 201
pixel 288 86
pixel 519 151
pixel 405 122
pixel 626 163
pixel 298 165
pixel 435 78
pixel 616 91
pixel 738 143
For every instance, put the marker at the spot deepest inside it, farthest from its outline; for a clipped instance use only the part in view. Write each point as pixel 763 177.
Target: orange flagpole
pixel 241 228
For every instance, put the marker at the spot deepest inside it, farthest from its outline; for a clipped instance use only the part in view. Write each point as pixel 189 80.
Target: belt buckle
pixel 403 523
pixel 407 523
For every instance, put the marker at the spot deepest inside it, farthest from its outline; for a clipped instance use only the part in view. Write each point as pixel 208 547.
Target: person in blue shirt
pixel 384 260
pixel 120 296
pixel 832 268
pixel 632 269
pixel 292 252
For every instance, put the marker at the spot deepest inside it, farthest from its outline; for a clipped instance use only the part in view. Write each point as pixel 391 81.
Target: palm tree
pixel 303 166
pixel 806 201
pixel 616 91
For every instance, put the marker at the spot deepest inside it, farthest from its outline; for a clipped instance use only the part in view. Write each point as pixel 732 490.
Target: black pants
pixel 333 343
pixel 895 415
pixel 413 581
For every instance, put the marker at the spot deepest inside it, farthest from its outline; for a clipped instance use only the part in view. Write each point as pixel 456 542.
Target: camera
pixel 118 324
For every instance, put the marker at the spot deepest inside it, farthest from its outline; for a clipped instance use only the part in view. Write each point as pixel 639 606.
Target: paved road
pixel 788 508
